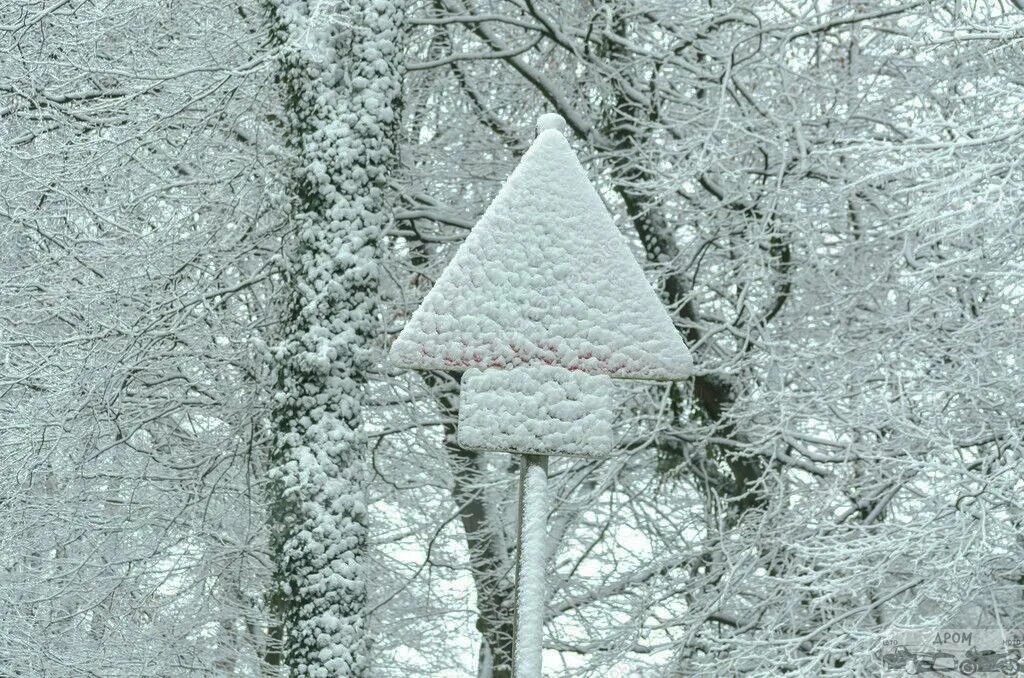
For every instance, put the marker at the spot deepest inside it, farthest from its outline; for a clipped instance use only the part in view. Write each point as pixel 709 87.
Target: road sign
pixel 545 278
pixel 542 305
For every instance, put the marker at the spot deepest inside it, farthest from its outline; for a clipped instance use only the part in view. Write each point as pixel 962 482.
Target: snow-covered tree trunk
pixel 340 79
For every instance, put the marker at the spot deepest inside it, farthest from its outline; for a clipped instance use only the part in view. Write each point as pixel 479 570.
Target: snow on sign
pixel 540 308
pixel 543 279
pixel 539 409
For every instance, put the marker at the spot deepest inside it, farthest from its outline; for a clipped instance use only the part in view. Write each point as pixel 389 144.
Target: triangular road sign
pixel 545 278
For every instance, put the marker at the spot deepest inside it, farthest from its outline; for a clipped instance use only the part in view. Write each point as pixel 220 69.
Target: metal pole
pixel 531 594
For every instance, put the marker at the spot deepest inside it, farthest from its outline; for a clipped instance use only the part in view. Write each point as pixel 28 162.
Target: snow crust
pixel 540 409
pixel 545 278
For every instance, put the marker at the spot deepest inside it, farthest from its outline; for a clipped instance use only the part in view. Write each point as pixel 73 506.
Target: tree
pixel 340 78
pixel 133 250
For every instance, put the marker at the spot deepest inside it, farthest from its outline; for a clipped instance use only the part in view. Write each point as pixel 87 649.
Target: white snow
pixel 545 278
pixel 540 409
pixel 550 121
pixel 530 580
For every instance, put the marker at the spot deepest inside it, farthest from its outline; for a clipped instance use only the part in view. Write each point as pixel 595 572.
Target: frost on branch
pixel 340 80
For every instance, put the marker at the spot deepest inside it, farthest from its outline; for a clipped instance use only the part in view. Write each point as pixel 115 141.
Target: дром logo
pixel 953 652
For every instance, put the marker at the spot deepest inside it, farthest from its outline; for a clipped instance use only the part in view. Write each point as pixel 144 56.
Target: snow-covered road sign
pixel 544 280
pixel 540 308
pixel 540 409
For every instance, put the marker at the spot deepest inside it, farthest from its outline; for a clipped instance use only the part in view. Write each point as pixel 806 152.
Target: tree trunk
pixel 712 394
pixel 340 79
pixel 485 540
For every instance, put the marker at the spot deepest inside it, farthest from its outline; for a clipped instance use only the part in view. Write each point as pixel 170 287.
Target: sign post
pixel 540 308
pixel 531 547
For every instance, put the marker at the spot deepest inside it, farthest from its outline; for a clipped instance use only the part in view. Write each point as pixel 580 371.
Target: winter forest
pixel 216 218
